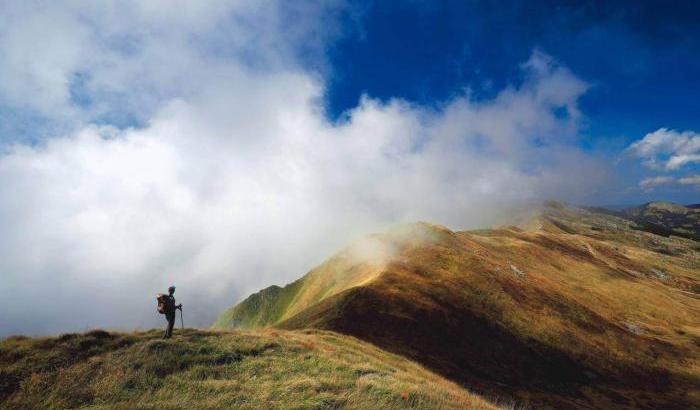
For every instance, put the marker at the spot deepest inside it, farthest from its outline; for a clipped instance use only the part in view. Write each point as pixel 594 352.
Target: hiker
pixel 167 306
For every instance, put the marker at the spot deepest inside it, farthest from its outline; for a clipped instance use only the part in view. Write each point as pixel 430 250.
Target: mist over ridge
pixel 194 147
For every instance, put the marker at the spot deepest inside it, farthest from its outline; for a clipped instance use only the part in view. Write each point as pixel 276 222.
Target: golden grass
pixel 618 304
pixel 214 369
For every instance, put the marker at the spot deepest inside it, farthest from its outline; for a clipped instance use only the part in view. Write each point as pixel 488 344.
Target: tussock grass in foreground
pixel 209 369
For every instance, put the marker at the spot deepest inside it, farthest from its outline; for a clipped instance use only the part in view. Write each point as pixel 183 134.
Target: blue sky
pixel 641 59
pixel 640 56
pixel 146 143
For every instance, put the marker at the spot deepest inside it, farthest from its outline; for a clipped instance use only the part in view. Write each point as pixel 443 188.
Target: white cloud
pixel 238 181
pixel 690 180
pixel 667 149
pixel 72 62
pixel 648 184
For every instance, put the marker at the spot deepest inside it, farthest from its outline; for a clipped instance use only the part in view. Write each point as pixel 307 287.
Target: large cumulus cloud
pixel 232 178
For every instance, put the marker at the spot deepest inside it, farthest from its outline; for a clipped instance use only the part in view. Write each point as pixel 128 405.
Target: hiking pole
pixel 182 321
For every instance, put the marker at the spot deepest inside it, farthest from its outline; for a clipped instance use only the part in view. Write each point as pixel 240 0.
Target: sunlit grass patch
pixel 207 369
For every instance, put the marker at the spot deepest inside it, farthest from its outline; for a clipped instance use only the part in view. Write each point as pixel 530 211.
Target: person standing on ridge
pixel 167 307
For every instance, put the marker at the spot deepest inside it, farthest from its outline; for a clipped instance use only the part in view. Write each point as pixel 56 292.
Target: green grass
pixel 210 369
pixel 261 308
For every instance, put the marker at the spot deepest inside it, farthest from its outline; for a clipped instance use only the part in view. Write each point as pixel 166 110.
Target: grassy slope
pixel 208 369
pixel 581 310
pixel 353 266
pixel 267 306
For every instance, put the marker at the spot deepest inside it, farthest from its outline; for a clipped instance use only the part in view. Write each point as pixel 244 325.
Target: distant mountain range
pixel 571 308
pixel 662 218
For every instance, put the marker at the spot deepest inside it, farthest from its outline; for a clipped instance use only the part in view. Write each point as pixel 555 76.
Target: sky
pixel 226 146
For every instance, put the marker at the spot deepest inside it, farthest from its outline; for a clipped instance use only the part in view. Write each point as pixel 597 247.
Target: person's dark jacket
pixel 169 304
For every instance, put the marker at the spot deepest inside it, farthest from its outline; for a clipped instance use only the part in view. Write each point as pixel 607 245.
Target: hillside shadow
pixel 490 359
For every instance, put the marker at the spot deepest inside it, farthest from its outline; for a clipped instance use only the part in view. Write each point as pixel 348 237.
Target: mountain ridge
pixel 450 301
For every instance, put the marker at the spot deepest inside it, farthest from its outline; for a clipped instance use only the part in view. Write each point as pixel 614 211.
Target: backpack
pixel 161 303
